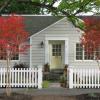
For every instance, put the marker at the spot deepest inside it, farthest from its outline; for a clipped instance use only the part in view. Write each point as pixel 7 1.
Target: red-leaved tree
pixel 91 37
pixel 12 40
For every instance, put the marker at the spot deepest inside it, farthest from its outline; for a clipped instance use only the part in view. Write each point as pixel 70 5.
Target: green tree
pixel 13 6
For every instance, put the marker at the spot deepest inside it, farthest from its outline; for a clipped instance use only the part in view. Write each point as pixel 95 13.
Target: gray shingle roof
pixel 34 24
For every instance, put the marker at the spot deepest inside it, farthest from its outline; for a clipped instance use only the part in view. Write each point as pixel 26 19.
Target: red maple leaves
pixel 13 35
pixel 91 38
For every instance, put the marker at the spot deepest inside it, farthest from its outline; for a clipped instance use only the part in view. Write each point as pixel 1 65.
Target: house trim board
pixel 47 39
pixel 30 52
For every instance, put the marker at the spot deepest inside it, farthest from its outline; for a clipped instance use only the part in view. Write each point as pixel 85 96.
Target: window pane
pixel 79 52
pixel 16 57
pixel 3 55
pixel 97 53
pixel 56 50
pixel 88 56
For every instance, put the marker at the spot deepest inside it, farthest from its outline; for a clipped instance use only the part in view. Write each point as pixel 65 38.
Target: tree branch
pixel 53 2
pixel 4 5
pixel 47 6
pixel 82 7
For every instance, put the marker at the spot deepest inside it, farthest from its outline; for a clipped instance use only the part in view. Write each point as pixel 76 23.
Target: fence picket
pixel 1 77
pixel 98 78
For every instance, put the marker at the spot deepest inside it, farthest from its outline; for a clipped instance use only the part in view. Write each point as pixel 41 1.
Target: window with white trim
pixel 79 52
pixel 82 54
pixel 3 55
pixel 15 57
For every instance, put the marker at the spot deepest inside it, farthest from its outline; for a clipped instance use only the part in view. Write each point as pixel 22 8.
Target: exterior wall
pixel 25 58
pixel 62 28
pixel 37 54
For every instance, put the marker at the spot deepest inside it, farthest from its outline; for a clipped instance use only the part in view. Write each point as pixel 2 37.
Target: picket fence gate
pixel 22 77
pixel 84 77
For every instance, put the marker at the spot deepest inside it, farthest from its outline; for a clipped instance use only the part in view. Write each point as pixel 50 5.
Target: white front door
pixel 56 54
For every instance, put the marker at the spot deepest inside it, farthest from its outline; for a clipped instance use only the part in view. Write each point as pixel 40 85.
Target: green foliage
pixel 45 84
pixel 63 79
pixel 77 22
pixel 26 8
pixel 72 6
pixel 35 0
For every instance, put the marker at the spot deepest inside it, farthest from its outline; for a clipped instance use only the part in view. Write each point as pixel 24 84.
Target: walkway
pixel 53 91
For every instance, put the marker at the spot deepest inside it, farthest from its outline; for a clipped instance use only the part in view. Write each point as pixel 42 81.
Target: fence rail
pixel 22 77
pixel 84 77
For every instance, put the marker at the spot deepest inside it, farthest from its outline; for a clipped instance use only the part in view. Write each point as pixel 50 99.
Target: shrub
pixel 21 65
pixel 63 79
pixel 46 67
pixel 45 84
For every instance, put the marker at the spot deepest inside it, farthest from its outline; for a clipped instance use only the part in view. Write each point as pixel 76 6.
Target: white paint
pixel 47 39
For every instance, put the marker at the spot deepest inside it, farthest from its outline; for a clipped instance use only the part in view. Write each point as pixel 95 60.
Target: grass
pixel 45 84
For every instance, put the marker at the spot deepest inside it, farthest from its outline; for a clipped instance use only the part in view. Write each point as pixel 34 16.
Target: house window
pixel 56 50
pixel 82 54
pixel 79 51
pixel 16 57
pixel 3 55
pixel 88 56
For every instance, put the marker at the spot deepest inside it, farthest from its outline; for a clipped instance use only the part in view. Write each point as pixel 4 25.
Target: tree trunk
pixel 8 79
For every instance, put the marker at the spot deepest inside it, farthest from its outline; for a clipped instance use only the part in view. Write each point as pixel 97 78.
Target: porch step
pixel 54 85
pixel 55 74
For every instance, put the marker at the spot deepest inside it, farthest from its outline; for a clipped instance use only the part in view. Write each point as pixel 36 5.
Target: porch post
pixel 40 77
pixel 66 51
pixel 70 77
pixel 46 51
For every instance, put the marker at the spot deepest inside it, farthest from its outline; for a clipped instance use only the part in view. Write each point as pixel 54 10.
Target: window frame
pixel 3 60
pixel 83 53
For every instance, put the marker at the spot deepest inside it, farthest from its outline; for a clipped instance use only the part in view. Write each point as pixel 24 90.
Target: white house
pixel 53 40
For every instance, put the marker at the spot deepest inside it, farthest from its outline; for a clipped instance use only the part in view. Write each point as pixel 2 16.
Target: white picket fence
pixel 22 77
pixel 84 77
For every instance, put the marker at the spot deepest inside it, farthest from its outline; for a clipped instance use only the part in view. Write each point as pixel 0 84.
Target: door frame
pixel 61 58
pixel 47 39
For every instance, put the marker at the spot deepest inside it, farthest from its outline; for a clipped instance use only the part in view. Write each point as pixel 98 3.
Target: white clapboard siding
pixel 22 77
pixel 84 77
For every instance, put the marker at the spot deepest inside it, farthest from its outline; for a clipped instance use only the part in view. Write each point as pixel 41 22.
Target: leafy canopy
pixel 91 37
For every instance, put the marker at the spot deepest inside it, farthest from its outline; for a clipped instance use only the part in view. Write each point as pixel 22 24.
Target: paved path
pixel 53 91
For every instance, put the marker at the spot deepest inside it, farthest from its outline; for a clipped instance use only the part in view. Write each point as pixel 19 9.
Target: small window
pixel 79 52
pixel 82 54
pixel 3 55
pixel 16 57
pixel 56 50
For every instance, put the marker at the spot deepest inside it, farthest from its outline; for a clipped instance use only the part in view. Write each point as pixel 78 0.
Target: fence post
pixel 70 78
pixel 39 77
